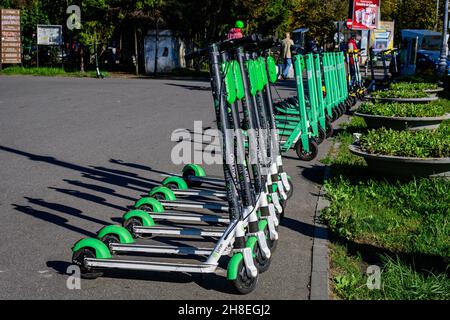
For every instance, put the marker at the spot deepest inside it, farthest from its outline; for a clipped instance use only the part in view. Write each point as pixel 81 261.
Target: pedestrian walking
pixel 286 54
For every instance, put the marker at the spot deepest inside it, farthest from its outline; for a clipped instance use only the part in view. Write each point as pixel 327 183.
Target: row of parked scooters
pixel 333 86
pixel 194 223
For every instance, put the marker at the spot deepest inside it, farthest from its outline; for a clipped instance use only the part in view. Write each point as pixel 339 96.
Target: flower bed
pixel 414 86
pixel 400 94
pixel 415 144
pixel 397 109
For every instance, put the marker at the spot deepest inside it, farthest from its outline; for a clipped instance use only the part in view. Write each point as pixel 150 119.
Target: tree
pixel 319 17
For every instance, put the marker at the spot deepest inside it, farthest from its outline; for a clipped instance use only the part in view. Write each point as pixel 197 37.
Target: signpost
pixel 366 14
pixel 10 41
pixel 48 35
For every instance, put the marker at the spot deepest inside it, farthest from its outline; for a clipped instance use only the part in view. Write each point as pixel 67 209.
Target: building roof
pixel 419 32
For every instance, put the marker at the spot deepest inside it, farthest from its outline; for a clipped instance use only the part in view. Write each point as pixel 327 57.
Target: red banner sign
pixel 366 14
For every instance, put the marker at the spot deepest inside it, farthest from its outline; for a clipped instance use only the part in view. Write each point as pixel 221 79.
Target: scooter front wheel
pixel 291 190
pixel 304 155
pixel 243 283
pixel 261 262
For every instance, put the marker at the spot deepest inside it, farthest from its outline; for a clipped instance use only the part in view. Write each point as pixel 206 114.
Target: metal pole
pixel 437 16
pixel 442 69
pixel 156 45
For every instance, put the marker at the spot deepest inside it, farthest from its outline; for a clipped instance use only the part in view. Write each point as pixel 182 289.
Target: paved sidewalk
pixel 75 153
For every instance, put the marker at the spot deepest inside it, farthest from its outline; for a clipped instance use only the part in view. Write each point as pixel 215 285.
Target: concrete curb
pixel 320 260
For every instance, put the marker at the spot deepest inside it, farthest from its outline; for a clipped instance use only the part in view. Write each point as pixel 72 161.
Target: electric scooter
pixel 93 255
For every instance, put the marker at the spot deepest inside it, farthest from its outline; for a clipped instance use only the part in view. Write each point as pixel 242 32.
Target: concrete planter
pixel 434 91
pixel 402 123
pixel 404 167
pixel 407 100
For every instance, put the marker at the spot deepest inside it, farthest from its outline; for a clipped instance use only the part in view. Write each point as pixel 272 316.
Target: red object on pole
pixel 349 23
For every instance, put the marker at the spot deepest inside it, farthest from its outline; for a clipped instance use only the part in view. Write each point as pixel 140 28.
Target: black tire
pixel 172 186
pixel 341 109
pixel 78 259
pixel 335 114
pixel 291 191
pixel 272 244
pixel 329 126
pixel 261 263
pixel 243 283
pixel 307 156
pixel 134 222
pixel 159 196
pixel 189 182
pixel 110 239
pixel 322 135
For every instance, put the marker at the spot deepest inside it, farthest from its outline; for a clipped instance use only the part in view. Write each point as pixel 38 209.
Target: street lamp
pixel 442 68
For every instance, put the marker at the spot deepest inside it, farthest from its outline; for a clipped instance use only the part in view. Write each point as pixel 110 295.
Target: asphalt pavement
pixel 76 153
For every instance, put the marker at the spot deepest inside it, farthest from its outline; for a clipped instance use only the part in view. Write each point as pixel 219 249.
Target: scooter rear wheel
pixel 335 114
pixel 244 284
pixel 78 259
pixel 307 156
pixel 110 239
pixel 189 182
pixel 322 135
pixel 135 222
pixel 329 126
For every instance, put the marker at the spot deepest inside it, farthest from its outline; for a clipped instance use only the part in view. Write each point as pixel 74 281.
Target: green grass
pixel 400 94
pixel 401 226
pixel 397 109
pixel 49 72
pixel 419 144
pixel 399 281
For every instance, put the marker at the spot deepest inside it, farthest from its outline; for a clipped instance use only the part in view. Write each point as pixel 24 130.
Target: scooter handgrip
pixel 196 54
pixel 236 43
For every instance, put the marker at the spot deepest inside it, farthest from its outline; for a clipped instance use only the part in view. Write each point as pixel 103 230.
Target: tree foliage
pixel 207 20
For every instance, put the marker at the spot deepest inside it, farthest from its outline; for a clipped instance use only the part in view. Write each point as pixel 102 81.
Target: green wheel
pixel 244 284
pixel 78 259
